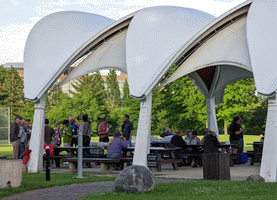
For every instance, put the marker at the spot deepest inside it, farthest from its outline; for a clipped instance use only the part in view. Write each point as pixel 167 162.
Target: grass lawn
pixel 37 180
pixel 200 189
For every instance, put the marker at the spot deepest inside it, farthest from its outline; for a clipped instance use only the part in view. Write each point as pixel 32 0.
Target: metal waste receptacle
pixel 216 166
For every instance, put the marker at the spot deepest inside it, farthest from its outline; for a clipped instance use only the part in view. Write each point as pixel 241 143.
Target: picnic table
pixel 255 155
pixel 164 156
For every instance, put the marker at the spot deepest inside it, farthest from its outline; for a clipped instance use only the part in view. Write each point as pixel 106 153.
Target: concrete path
pixel 77 191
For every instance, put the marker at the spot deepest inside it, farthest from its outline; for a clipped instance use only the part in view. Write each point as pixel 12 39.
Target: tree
pixel 54 98
pixel 3 76
pixel 113 92
pixel 126 93
pixel 239 99
pixel 92 84
pixel 12 90
pixel 185 105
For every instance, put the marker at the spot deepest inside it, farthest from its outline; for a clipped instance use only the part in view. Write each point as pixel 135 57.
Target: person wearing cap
pixel 188 136
pixel 166 132
pixel 104 130
pixel 27 128
pixel 206 131
pixel 211 143
pixel 14 131
pixel 115 146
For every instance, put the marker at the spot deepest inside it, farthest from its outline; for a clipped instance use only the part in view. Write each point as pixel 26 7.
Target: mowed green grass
pixel 200 189
pixel 37 180
pixel 6 150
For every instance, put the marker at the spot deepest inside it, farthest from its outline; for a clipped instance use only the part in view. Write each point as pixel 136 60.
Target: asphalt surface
pixel 74 191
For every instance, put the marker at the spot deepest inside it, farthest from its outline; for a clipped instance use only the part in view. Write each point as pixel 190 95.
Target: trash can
pixel 216 166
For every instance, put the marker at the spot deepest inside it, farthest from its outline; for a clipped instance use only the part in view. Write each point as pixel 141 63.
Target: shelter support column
pixel 269 160
pixel 143 134
pixel 37 138
pixel 211 115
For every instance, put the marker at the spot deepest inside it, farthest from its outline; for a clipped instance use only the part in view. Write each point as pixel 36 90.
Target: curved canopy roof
pixel 147 43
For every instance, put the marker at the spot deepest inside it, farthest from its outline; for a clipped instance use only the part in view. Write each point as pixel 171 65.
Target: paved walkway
pixel 77 191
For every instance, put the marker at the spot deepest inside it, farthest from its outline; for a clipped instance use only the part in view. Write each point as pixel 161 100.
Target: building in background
pixel 121 77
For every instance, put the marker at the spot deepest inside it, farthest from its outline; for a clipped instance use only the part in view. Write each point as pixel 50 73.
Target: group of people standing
pixel 65 132
pixel 20 134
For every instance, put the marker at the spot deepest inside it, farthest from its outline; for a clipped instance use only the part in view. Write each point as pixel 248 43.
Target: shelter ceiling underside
pixel 110 55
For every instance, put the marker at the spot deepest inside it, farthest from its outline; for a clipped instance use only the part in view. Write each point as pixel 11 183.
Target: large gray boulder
pixel 255 178
pixel 135 179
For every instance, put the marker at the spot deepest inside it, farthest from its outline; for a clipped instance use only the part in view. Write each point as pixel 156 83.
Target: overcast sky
pixel 17 17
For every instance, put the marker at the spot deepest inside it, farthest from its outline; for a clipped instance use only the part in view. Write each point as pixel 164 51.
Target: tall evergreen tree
pixel 126 93
pixel 3 76
pixel 92 84
pixel 113 92
pixel 13 92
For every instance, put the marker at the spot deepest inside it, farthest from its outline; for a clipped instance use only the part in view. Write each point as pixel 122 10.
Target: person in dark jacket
pixel 14 131
pixel 235 131
pixel 211 143
pixel 178 141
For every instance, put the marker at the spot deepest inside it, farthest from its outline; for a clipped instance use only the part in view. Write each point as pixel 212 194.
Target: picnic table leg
pixel 175 165
pixel 159 167
pixel 106 168
pixel 72 167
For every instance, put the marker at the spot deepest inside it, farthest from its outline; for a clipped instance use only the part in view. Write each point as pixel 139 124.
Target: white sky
pixel 17 17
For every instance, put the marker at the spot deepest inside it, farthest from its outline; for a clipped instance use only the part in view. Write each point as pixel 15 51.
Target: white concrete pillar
pixel 142 147
pixel 37 137
pixel 211 116
pixel 269 160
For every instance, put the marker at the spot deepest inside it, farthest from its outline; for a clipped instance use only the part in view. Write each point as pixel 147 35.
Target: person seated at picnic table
pixel 178 141
pixel 188 136
pixel 262 138
pixel 196 150
pixel 167 132
pixel 115 147
pixel 205 131
pixel 194 139
pixel 211 143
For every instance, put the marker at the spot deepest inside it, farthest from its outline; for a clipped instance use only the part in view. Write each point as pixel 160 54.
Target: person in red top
pixel 104 130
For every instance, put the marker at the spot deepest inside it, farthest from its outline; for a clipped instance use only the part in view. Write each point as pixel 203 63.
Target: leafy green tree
pixel 113 92
pixel 185 105
pixel 239 99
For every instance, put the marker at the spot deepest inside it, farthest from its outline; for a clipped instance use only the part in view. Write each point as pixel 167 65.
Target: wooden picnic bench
pixel 162 157
pixel 106 163
pixel 255 155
